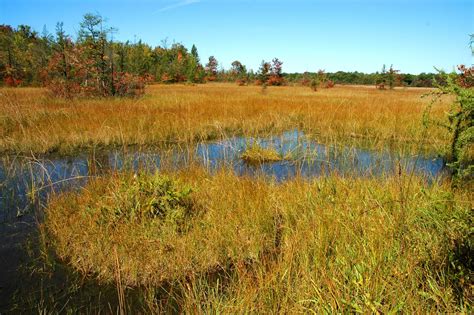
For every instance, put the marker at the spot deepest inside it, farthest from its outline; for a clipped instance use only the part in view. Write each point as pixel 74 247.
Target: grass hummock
pixel 256 154
pixel 357 244
pixel 160 228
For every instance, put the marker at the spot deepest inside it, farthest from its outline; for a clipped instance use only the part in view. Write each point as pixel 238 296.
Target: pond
pixel 24 179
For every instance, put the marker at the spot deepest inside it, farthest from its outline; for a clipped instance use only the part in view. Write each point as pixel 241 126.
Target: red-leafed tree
pixel 87 68
pixel 276 73
pixel 239 73
pixel 211 69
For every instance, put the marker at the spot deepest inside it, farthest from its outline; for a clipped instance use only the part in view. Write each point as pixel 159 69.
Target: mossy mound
pixel 256 154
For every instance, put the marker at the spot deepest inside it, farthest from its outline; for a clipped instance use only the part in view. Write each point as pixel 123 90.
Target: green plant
pixel 142 197
pixel 320 79
pixel 314 83
pixel 459 122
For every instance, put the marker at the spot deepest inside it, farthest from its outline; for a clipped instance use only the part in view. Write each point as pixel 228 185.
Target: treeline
pixel 360 78
pixel 95 64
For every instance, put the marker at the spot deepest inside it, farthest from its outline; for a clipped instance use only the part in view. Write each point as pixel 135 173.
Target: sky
pixel 348 35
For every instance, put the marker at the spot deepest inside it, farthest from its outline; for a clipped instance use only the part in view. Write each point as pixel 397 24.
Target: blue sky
pixel 348 35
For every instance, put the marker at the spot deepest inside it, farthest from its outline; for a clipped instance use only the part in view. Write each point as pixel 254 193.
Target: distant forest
pixel 95 63
pixel 360 78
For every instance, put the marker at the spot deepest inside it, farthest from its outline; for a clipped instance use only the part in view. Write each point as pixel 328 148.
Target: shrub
pixel 241 82
pixel 11 81
pixel 460 121
pixel 68 75
pixel 129 85
pixel 319 80
pixel 275 80
pixel 329 84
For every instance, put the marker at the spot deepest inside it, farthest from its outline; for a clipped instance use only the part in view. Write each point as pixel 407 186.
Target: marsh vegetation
pixel 34 122
pixel 152 204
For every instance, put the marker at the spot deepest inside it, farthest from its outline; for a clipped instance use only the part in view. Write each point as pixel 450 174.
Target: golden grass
pixel 31 121
pixel 328 245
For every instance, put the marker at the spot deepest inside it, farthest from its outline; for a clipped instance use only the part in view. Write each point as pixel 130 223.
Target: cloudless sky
pixel 348 35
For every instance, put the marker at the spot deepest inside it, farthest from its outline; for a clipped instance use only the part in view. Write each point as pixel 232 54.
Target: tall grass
pixel 249 245
pixel 31 121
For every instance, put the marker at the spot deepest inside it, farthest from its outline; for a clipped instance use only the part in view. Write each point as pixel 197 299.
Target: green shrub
pixel 142 197
pixel 459 123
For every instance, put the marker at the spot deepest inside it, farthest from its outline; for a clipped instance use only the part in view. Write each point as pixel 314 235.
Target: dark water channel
pixel 26 182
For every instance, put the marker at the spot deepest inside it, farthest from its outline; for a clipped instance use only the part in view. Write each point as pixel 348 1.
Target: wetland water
pixel 25 182
pixel 22 178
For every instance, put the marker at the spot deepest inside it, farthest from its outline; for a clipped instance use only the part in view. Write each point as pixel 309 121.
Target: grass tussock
pixel 327 245
pixel 32 121
pixel 256 154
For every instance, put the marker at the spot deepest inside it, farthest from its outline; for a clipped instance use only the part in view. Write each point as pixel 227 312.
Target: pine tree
pixel 194 53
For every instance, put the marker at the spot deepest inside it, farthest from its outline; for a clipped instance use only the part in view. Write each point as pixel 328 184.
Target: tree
pixel 88 67
pixel 381 79
pixel 277 67
pixel 8 66
pixel 139 59
pixel 276 72
pixel 194 53
pixel 211 69
pixel 393 77
pixel 237 67
pixel 195 72
pixel 60 72
pixel 263 73
pixel 239 72
pixel 471 43
pixel 93 36
pixel 23 55
pixel 460 121
pixel 122 51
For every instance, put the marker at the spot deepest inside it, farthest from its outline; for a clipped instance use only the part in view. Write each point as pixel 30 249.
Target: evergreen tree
pixel 194 53
pixel 264 72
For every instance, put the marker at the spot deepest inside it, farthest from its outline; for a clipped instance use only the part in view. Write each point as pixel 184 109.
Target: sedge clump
pixel 256 154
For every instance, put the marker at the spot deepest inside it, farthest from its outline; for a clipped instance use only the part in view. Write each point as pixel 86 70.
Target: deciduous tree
pixel 211 69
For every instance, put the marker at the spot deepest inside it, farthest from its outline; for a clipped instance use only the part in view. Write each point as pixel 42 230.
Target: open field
pixel 32 122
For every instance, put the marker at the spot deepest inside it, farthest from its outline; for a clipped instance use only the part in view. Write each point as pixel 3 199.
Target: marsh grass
pixel 331 244
pixel 32 121
pixel 189 240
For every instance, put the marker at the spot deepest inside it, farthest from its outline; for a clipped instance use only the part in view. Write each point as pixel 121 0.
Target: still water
pixel 21 179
